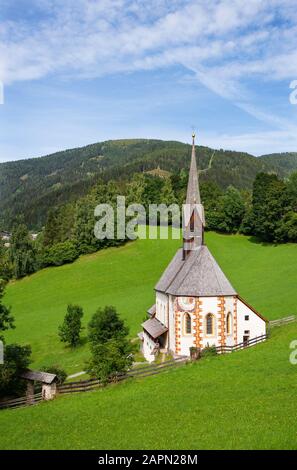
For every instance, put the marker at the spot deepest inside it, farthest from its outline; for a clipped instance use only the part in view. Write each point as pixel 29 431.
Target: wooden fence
pixel 282 321
pixel 145 371
pixel 149 370
pixel 22 401
pixel 243 345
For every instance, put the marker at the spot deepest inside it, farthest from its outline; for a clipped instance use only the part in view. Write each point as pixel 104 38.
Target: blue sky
pixel 81 71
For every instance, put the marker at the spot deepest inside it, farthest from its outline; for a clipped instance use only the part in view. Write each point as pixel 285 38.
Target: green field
pixel 265 275
pixel 244 400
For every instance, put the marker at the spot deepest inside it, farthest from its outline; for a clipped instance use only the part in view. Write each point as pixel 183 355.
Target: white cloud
pixel 104 36
pixel 223 43
pixel 257 143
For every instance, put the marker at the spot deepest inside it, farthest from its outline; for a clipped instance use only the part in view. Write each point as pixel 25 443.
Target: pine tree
pixel 167 193
pixel 50 230
pixel 136 190
pixel 6 319
pixel 270 204
pixel 233 210
pixel 6 268
pixel 70 330
pixel 22 252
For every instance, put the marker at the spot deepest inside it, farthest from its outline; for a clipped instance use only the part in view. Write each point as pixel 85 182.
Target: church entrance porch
pixel 162 340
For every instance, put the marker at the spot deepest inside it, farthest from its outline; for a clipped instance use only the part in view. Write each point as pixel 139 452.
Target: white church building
pixel 196 306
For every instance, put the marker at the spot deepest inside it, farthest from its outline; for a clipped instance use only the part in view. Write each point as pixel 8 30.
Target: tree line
pixel 31 186
pixel 268 212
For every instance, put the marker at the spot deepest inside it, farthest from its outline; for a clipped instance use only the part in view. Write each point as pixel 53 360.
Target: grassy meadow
pixel 265 275
pixel 244 400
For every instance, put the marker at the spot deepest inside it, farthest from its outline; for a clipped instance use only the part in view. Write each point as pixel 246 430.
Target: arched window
pixel 187 324
pixel 210 324
pixel 228 323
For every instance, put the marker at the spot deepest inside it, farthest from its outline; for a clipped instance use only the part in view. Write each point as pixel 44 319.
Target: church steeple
pixel 193 222
pixel 193 193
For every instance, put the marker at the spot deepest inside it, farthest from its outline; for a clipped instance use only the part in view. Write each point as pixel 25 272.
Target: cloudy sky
pixel 81 71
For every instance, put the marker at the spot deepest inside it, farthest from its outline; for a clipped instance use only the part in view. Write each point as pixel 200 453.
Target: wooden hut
pixel 48 383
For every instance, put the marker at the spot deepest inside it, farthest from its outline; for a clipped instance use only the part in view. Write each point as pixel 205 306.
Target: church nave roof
pixel 199 275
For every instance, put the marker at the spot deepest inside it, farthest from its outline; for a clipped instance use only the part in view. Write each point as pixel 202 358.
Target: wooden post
pixel 30 393
pixel 195 353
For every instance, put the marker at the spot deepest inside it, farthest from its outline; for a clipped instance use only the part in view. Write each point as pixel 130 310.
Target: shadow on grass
pixel 258 241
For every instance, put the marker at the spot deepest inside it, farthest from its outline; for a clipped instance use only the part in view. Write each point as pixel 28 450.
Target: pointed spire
pixel 193 211
pixel 193 193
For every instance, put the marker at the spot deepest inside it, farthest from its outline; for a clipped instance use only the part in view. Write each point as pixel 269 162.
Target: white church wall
pixel 162 308
pixel 254 324
pixel 229 307
pixel 148 346
pixel 208 305
pixel 229 338
pixel 171 330
pixel 187 341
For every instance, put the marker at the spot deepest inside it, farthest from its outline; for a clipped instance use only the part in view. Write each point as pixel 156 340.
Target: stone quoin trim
pixel 177 316
pixel 195 328
pixel 199 324
pixel 221 321
pixel 200 310
pixel 235 319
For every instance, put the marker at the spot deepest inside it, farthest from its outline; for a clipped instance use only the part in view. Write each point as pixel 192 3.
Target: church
pixel 196 306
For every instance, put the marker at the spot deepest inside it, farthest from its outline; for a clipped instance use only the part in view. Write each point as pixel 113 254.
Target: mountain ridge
pixel 29 186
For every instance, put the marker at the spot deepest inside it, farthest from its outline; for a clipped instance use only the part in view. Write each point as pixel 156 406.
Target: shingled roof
pixel 199 275
pixel 152 310
pixel 38 376
pixel 154 327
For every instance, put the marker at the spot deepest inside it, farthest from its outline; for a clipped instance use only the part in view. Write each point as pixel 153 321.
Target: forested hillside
pixel 281 162
pixel 30 187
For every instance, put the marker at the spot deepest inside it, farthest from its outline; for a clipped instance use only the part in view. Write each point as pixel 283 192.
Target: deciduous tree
pixel 105 325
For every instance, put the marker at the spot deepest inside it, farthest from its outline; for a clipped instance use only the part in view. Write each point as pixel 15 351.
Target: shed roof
pixel 199 275
pixel 154 327
pixel 152 310
pixel 38 376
